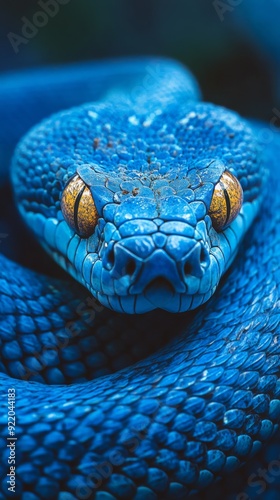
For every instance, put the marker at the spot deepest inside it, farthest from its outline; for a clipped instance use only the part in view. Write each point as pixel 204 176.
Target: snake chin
pixel 159 295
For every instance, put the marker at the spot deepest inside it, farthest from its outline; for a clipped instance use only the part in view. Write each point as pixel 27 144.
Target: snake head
pixel 149 211
pixel 151 237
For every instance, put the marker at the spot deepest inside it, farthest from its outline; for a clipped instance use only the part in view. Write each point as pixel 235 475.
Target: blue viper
pixel 114 419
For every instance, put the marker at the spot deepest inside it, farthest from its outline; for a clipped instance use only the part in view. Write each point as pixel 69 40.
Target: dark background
pixel 228 65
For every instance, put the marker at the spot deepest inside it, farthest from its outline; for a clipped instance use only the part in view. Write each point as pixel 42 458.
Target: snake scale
pixel 143 383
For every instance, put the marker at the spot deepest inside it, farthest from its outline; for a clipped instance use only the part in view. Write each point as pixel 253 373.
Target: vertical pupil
pixel 227 199
pixel 76 209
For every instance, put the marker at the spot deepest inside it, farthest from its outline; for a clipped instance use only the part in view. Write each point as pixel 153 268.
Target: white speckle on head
pixel 93 115
pixel 187 118
pixel 107 127
pixel 149 120
pixel 133 120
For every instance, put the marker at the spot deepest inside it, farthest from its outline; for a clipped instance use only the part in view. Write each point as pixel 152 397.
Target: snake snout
pixel 137 265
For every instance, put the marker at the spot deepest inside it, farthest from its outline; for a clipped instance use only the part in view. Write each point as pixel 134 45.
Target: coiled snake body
pixel 122 192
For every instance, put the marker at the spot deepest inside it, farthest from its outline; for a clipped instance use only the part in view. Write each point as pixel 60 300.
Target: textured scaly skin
pixel 177 417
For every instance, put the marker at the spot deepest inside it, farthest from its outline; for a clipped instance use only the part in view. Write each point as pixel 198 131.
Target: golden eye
pixel 226 201
pixel 78 207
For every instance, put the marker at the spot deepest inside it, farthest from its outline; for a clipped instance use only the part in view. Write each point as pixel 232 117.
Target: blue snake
pixel 154 372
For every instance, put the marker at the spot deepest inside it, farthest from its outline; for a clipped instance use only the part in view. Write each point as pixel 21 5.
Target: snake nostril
pixel 203 256
pixel 111 257
pixel 130 267
pixel 196 262
pixel 187 268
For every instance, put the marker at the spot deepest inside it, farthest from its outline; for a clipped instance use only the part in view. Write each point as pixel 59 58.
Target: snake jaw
pixel 169 265
pixel 161 261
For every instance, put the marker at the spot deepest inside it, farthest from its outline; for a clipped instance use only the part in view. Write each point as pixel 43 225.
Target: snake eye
pixel 78 207
pixel 226 201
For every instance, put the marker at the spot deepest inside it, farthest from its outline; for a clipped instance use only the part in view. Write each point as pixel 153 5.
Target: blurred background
pixel 216 39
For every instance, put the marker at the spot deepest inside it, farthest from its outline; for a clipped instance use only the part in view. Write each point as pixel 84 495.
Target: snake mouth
pixel 159 291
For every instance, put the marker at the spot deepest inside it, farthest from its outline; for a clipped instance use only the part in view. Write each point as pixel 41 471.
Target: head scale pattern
pixel 152 177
